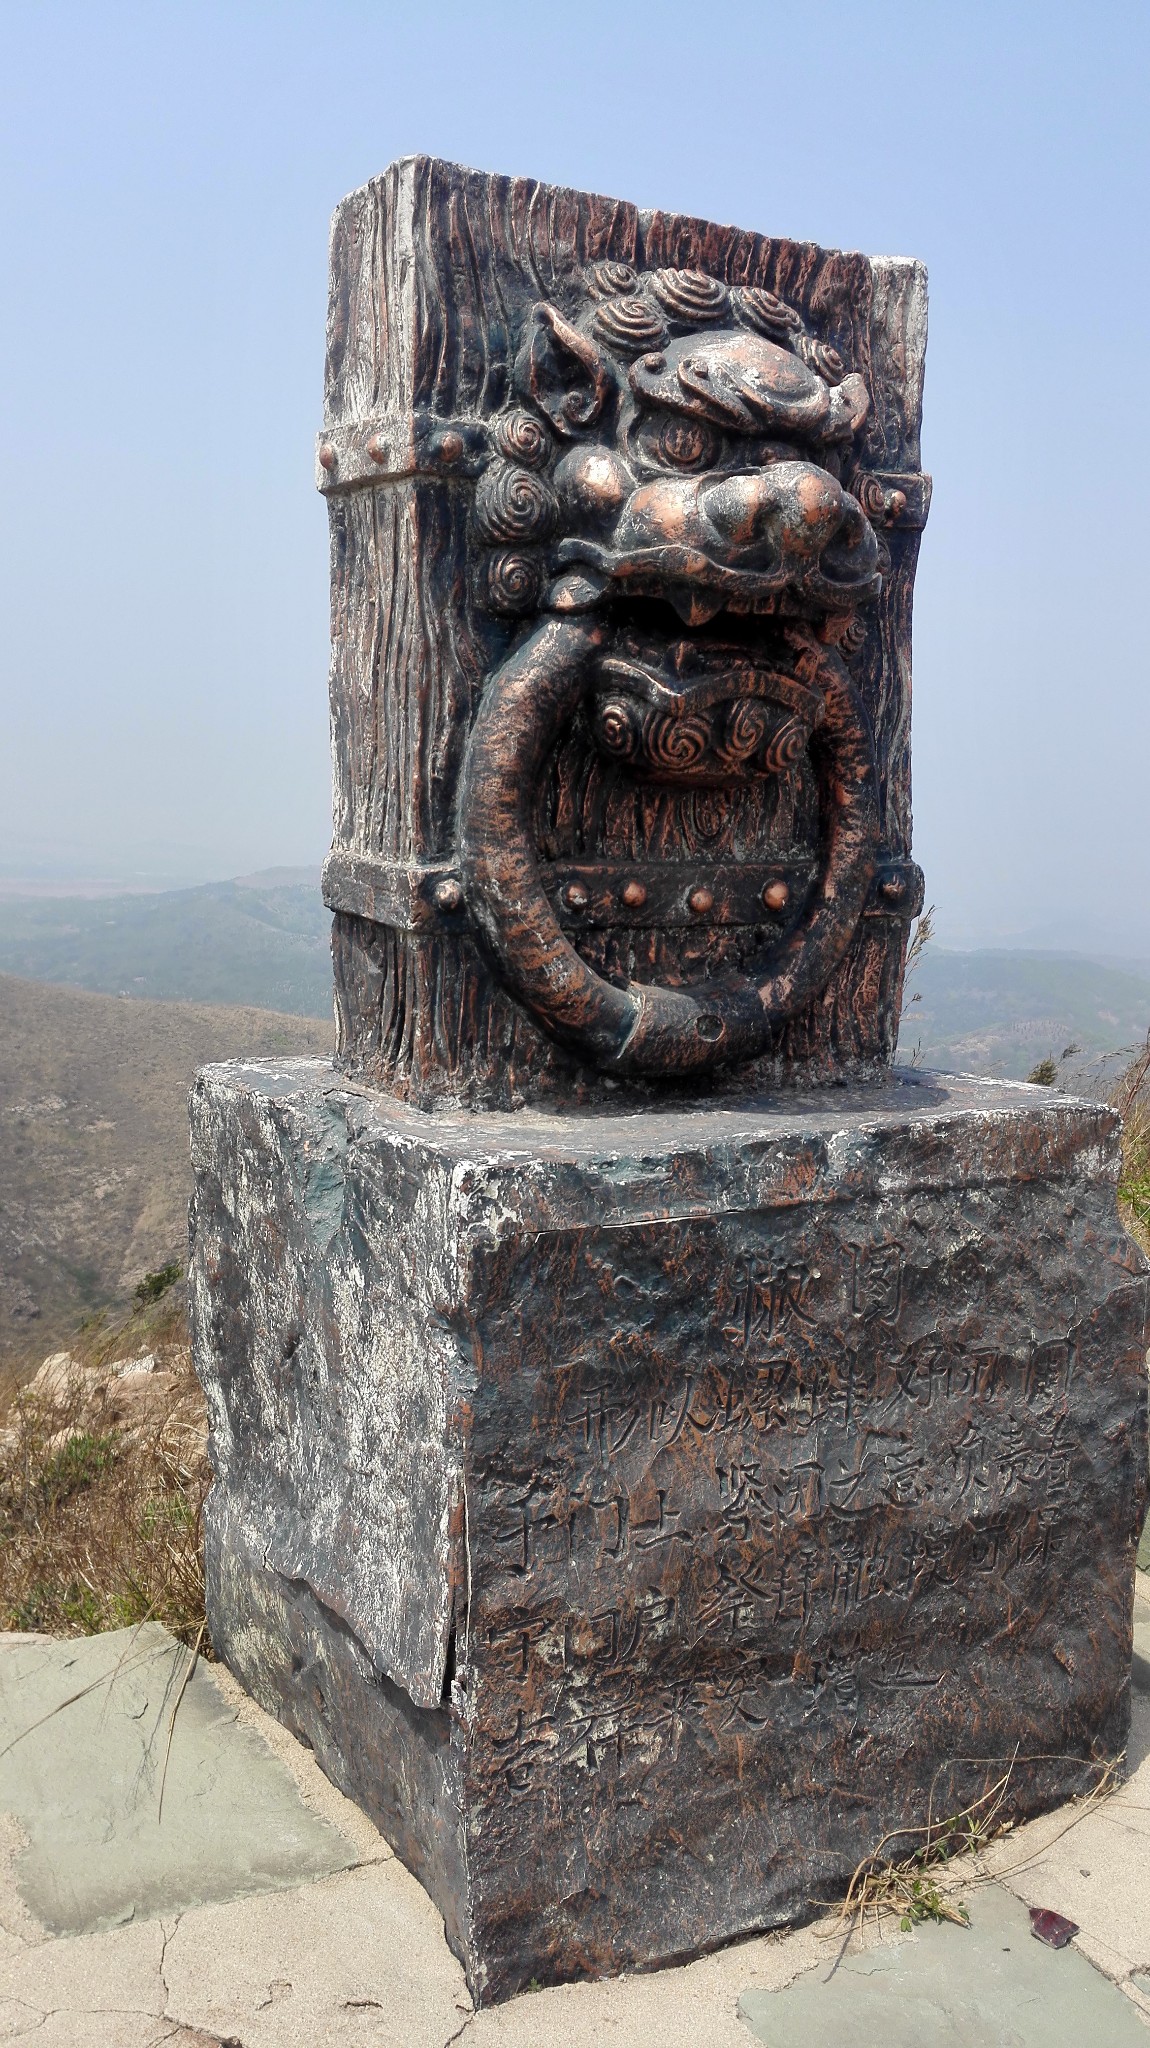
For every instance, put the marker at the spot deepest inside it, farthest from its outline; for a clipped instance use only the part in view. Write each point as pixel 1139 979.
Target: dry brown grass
pixel 917 1887
pixel 1131 1097
pixel 102 1485
pixel 908 1886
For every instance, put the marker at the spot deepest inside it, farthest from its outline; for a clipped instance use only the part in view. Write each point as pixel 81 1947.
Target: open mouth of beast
pixel 699 712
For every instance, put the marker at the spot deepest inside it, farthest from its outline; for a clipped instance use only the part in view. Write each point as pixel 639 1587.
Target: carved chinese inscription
pixel 780 1517
pixel 625 516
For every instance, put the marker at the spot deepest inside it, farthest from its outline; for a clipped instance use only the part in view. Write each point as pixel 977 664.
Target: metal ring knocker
pixel 646 1028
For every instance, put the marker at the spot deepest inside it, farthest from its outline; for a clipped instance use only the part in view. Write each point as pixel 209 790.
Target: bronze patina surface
pixel 625 512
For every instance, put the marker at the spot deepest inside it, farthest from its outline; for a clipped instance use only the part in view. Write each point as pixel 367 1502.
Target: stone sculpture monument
pixel 660 1450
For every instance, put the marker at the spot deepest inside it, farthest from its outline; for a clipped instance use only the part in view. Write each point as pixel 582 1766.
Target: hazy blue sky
pixel 166 176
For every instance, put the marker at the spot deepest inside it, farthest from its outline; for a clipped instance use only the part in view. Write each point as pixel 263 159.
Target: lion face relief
pixel 682 441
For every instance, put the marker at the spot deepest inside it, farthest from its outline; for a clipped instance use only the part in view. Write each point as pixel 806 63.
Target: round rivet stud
pixel 377 448
pixel 654 365
pixel 327 457
pixel 776 895
pixel 575 896
pixel 700 901
pixel 701 367
pixel 634 895
pixel 895 504
pixel 448 894
pixel 450 447
pixel 892 889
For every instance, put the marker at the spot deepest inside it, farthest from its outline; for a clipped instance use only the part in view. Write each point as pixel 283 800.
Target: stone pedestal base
pixel 643 1515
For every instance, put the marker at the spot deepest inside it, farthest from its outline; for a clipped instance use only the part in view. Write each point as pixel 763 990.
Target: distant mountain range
pixel 262 940
pixel 1003 1012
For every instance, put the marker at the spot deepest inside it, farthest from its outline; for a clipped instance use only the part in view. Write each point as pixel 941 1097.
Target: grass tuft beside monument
pixel 1132 1100
pixel 103 1474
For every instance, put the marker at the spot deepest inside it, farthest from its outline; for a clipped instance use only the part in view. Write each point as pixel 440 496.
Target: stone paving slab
pixel 990 1985
pixel 84 1751
pixel 354 1956
pixel 1093 1866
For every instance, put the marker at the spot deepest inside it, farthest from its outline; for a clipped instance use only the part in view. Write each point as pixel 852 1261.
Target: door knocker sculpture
pixel 669 495
pixel 622 1493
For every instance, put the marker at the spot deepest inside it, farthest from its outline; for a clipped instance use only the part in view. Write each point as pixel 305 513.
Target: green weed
pixel 153 1285
pixel 100 1519
pixel 77 1464
pixel 1045 1074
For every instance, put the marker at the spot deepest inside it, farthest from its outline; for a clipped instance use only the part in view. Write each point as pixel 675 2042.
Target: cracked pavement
pixel 354 1956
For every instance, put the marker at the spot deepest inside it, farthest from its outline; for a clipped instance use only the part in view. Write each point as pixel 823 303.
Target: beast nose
pixel 791 511
pixel 853 552
pixel 753 534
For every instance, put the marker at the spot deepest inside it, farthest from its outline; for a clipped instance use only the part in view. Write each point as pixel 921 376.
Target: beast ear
pixel 562 372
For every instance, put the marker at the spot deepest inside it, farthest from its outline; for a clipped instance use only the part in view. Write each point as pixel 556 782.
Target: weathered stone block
pixel 644 1514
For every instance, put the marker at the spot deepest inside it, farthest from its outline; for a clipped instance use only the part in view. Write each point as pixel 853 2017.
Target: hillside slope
pixel 1001 1012
pixel 94 1174
pixel 263 940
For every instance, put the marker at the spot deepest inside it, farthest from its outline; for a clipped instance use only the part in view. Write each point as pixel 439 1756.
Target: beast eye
pixel 686 444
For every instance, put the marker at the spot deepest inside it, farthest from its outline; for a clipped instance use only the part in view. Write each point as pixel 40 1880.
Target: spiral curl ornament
pixel 690 295
pixel 513 504
pixel 785 746
pixel 767 313
pixel 852 639
pixel 630 324
pixel 522 439
pixel 675 743
pixel 609 280
pixel 822 357
pixel 748 723
pixel 512 582
pixel 617 729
